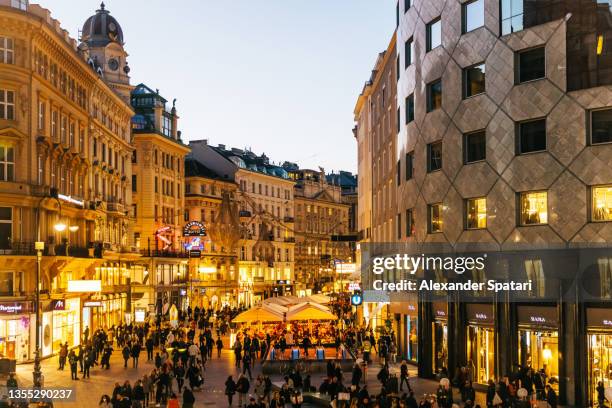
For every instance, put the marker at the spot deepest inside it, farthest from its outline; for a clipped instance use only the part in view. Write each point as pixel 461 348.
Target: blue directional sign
pixel 356 299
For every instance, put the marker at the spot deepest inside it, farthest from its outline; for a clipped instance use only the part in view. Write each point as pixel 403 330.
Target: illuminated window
pixel 476 213
pixel 602 203
pixel 534 208
pixel 435 218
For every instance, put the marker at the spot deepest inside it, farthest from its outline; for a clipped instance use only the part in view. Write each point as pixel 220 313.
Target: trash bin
pixel 295 354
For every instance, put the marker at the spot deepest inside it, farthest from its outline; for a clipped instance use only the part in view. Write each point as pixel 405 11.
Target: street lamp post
pixel 39 246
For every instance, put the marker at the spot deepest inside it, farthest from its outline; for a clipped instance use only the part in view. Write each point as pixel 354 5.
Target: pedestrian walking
pixel 230 389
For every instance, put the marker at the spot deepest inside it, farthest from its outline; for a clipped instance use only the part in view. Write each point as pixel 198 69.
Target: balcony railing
pixel 289 219
pixel 289 239
pixel 158 253
pixel 27 248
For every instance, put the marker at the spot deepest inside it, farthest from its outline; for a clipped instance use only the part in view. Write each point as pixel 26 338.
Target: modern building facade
pixel 322 254
pixel 265 207
pixel 65 174
pixel 503 148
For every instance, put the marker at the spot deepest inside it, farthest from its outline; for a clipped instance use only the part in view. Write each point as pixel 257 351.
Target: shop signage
pixel 353 286
pixel 538 316
pixel 84 286
pixel 71 200
pixel 58 304
pixel 92 303
pixel 139 315
pixel 194 229
pixel 440 310
pixel 599 318
pixel 345 268
pixel 480 313
pixel 283 282
pixel 195 253
pixel 14 308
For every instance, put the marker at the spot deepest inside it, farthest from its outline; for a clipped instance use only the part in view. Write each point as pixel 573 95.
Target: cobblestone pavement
pixel 89 391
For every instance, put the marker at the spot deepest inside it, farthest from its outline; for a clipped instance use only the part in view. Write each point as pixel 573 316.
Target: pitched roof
pixel 194 168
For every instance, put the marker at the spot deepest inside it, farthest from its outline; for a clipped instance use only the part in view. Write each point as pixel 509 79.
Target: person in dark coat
pixel 230 389
pixel 357 374
pixel 551 397
pixel 188 398
pixel 126 355
pixel 138 394
pixel 135 353
pixel 490 393
pixel 467 392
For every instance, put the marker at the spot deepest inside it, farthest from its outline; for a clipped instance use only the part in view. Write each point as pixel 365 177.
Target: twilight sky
pixel 278 76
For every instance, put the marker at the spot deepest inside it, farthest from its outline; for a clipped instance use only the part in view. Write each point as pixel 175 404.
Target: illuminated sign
pixel 345 268
pixel 194 229
pixel 537 319
pixel 193 244
pixel 356 300
pixel 92 303
pixel 84 286
pixel 12 308
pixel 139 315
pixel 58 304
pixel 353 286
pixel 71 200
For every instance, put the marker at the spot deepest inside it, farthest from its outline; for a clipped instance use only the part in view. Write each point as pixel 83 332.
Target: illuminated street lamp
pixel 60 227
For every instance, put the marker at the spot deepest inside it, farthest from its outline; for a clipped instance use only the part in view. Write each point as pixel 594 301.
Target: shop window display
pixel 539 350
pixel 413 342
pixel 440 345
pixel 481 353
pixel 600 361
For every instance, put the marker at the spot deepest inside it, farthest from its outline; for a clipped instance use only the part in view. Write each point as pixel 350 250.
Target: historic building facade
pixel 265 209
pixel 210 203
pixel 321 224
pixel 65 173
pixel 503 148
pixel 158 182
pixel 376 133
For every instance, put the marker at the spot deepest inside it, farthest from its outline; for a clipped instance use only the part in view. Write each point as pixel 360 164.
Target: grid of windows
pixel 474 80
pixel 434 218
pixel 434 34
pixel 532 136
pixel 475 146
pixel 472 15
pixel 408 52
pixel 7 104
pixel 434 156
pixel 434 95
pixel 409 108
pixel 601 126
pixel 476 213
pixel 7 163
pixel 409 165
pixel 7 52
pixel 511 16
pixel 533 208
pixel 531 64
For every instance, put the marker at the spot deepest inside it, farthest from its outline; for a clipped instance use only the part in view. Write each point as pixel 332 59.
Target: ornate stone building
pixel 321 225
pixel 65 171
pixel 158 183
pixel 265 205
pixel 211 201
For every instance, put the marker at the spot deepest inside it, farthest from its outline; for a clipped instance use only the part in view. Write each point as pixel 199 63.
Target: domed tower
pixel 102 39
